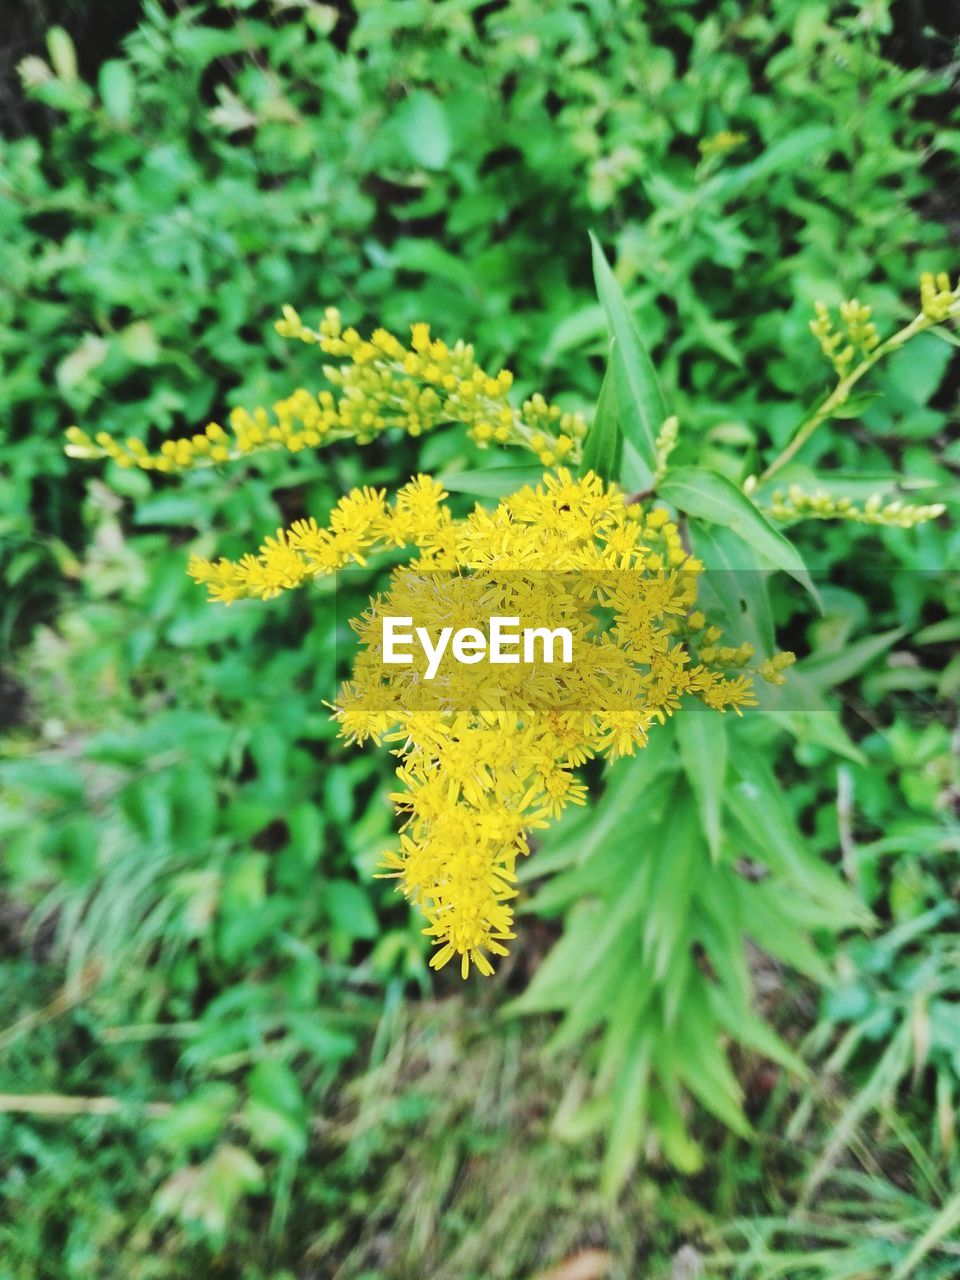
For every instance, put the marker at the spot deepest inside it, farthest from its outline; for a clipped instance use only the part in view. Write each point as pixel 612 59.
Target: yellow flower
pixel 381 385
pixel 487 754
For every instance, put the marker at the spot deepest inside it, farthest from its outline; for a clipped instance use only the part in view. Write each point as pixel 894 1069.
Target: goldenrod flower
pixel 381 385
pixel 488 754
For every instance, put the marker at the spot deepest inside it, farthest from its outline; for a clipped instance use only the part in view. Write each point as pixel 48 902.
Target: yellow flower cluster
pixel 381 385
pixel 487 759
pixel 796 504
pixel 857 336
pixel 429 383
pixel 938 300
pixel 718 144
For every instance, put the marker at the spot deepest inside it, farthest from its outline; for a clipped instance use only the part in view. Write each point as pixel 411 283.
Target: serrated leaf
pixel 641 409
pixel 707 495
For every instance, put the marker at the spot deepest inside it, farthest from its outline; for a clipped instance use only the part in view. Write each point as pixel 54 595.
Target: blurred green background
pixel 220 1049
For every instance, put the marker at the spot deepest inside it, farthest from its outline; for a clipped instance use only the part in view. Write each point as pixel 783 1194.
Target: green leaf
pixel 757 804
pixel 787 153
pixel 629 1113
pixel 641 409
pixel 63 55
pixel 942 632
pixel 273 1130
pixel 855 406
pixel 138 342
pixel 498 482
pixel 433 260
pixel 349 909
pixel 602 448
pixel 829 669
pixel 424 130
pixel 737 579
pixel 711 496
pixel 116 85
pixel 199 1119
pixel 274 1084
pixel 702 735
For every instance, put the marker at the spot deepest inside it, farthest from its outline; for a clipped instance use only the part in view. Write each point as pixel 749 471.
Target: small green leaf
pixel 116 85
pixel 602 448
pixel 138 342
pixel 424 130
pixel 855 406
pixel 349 909
pixel 942 632
pixel 63 55
pixel 711 496
pixel 274 1084
pixel 641 409
pixel 199 1119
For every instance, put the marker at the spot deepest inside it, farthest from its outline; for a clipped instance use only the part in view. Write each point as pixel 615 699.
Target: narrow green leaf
pixel 629 1113
pixel 640 405
pixel 682 1151
pixel 829 669
pixel 703 749
pixel 942 1227
pixel 942 632
pixel 786 154
pixel 855 406
pixel 757 804
pixel 603 446
pixel 711 496
pixel 497 482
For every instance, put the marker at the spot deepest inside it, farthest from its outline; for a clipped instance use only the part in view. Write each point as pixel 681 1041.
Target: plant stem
pixel 841 392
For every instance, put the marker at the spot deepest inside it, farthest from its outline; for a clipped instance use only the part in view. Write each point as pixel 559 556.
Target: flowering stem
pixel 841 392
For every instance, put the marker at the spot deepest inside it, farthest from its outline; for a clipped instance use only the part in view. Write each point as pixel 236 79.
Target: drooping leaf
pixel 711 496
pixel 736 578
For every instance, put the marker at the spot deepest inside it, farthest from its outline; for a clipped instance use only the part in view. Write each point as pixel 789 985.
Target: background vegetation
pixel 269 1083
